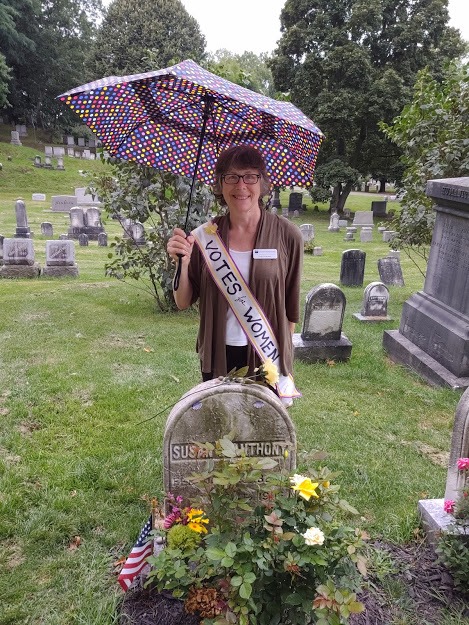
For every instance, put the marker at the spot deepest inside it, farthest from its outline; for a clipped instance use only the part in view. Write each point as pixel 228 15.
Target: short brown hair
pixel 241 157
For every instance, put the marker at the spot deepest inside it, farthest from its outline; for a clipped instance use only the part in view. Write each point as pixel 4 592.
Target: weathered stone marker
pixel 18 259
pixel 433 337
pixel 321 338
pixel 375 303
pixel 432 514
pixel 253 414
pixel 352 268
pixel 390 271
pixel 60 259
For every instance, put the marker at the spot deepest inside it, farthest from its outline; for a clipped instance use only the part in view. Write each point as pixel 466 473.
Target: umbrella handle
pixel 177 276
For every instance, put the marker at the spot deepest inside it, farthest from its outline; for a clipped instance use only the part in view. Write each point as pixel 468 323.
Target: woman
pixel 266 249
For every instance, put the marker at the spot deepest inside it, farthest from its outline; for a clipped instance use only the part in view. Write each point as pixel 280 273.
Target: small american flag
pixel 136 560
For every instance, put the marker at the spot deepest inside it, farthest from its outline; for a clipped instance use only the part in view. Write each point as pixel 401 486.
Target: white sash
pixel 242 302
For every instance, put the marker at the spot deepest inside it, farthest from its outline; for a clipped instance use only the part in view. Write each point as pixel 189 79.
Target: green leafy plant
pixel 453 546
pixel 273 548
pixel 131 193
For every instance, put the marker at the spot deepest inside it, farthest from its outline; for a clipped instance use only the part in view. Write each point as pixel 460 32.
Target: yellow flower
pixel 326 484
pixel 211 228
pixel 270 372
pixel 197 520
pixel 304 486
pixel 313 536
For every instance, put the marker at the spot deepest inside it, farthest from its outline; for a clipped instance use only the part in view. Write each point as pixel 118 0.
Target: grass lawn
pixel 88 372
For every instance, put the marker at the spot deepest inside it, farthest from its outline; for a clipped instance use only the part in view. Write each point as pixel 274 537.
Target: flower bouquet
pixel 259 547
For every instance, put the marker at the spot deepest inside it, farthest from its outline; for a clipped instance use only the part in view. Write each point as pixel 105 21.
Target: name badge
pixel 264 254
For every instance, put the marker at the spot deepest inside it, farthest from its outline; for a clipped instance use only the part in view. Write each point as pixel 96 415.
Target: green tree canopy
pixel 135 33
pixel 248 70
pixel 348 64
pixel 45 47
pixel 433 134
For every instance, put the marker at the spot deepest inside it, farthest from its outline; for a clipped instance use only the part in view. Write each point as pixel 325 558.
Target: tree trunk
pixel 382 185
pixel 339 197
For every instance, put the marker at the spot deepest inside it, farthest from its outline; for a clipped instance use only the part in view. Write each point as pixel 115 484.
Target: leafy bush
pixel 133 193
pixel 276 549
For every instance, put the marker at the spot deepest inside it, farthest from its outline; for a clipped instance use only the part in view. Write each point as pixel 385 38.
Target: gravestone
pixel 22 228
pixel 86 199
pixel 63 203
pixel 48 162
pixel 363 218
pixel 71 141
pixel 77 220
pixel 276 199
pixel 102 239
pixel 388 235
pixel 2 238
pixel 390 271
pixel 60 163
pixel 375 303
pixel 295 202
pixel 379 209
pixel 253 414
pixel 394 254
pixel 307 230
pixel 48 150
pixel 71 152
pixel 47 229
pixel 63 237
pixel 15 138
pixel 432 514
pixel 83 240
pixel 81 142
pixel 60 259
pixel 433 337
pixel 37 161
pixel 334 223
pixel 22 130
pixel 352 268
pixel 86 154
pixel 321 338
pixel 38 197
pixel 317 251
pixel 92 143
pixel 285 212
pixel 366 234
pixel 343 223
pixel 58 151
pixel 18 259
pixel 134 230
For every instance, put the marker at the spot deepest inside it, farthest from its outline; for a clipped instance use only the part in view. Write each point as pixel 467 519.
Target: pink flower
pixel 463 464
pixel 449 506
pixel 172 518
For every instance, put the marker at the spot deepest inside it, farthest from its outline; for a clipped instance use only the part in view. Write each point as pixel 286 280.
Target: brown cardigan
pixel 275 284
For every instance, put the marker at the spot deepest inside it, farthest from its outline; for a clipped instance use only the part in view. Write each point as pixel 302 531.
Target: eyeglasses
pixel 235 178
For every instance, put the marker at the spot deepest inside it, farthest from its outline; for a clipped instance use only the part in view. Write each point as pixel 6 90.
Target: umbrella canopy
pixel 180 118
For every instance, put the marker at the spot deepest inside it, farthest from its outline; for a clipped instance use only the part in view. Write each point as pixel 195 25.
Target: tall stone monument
pixel 433 337
pixel 22 228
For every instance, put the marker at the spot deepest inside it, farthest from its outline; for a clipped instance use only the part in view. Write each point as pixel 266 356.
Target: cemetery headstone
pixel 60 163
pixel 58 151
pixel 60 259
pixel 394 254
pixel 352 268
pixel 38 197
pixel 375 303
pixel 388 235
pixel 334 223
pixel 18 259
pixel 285 212
pixel 2 238
pixel 349 232
pixel 85 199
pixel 366 234
pixel 92 142
pixel 321 338
pixel 21 128
pixel 317 251
pixel 307 230
pixel 81 142
pixel 363 218
pixel 259 423
pixel 343 223
pixel 390 271
pixel 71 141
pixel 37 161
pixel 433 336
pixel 48 162
pixel 433 516
pixel 63 237
pixel 63 203
pixel 15 138
pixel 48 150
pixel 71 152
pixel 22 228
pixel 47 229
pixel 102 239
pixel 83 240
pixel 379 209
pixel 295 201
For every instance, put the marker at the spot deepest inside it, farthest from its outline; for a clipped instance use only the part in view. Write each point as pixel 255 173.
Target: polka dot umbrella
pixel 180 118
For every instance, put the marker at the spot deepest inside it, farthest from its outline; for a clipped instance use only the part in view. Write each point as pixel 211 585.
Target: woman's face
pixel 241 197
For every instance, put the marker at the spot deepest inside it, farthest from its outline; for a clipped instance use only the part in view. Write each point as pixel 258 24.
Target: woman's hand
pixel 180 247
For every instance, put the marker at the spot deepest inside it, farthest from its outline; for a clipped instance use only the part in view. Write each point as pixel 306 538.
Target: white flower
pixel 297 479
pixel 313 536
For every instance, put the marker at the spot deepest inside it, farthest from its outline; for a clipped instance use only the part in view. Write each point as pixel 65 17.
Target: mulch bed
pixel 427 590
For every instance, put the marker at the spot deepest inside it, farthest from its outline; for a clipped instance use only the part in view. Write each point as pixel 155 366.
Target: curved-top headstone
pixel 455 480
pixel 324 313
pixel 254 416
